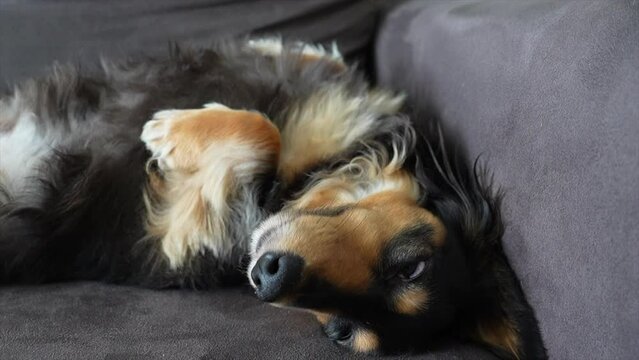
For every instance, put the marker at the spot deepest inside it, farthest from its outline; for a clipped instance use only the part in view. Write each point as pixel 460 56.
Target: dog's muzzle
pixel 274 274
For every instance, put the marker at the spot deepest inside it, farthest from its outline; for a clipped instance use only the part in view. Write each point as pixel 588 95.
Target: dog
pixel 267 159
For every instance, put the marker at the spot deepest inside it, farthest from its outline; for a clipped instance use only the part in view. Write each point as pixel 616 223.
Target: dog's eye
pixel 412 270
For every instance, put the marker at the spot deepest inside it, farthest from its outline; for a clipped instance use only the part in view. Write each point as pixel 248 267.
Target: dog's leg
pixel 200 160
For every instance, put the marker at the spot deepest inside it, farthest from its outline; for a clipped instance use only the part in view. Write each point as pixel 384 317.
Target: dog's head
pixel 392 248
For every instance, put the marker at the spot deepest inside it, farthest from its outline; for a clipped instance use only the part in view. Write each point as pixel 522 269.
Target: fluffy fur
pixel 122 175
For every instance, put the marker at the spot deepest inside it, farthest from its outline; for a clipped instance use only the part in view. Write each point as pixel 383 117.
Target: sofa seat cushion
pixel 95 321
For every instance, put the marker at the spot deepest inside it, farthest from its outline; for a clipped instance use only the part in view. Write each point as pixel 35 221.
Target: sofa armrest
pixel 548 92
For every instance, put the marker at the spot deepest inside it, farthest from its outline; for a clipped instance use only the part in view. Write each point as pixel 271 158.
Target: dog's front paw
pixel 179 139
pixel 156 137
pixel 351 335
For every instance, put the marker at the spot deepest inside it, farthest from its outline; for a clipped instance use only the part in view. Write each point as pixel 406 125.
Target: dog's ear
pixel 496 313
pixel 501 318
pixel 499 315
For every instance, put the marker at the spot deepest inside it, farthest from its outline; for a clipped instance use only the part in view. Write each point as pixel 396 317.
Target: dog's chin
pixel 285 301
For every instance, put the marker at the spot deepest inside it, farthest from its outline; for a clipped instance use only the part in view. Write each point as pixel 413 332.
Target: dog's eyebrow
pixel 330 212
pixel 409 243
pixel 415 232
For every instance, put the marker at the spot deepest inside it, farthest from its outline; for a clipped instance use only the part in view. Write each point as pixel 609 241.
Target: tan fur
pixel 186 134
pixel 339 191
pixel 328 123
pixel 365 341
pixel 310 59
pixel 411 301
pixel 374 172
pixel 204 156
pixel 381 200
pixel 499 333
pixel 322 317
pixel 6 125
pixel 345 248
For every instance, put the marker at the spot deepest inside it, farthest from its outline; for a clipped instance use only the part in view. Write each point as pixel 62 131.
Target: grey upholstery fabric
pixel 91 321
pixel 34 33
pixel 94 321
pixel 548 92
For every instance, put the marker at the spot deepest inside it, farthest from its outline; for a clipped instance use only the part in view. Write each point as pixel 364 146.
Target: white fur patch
pixel 153 135
pixel 277 226
pixel 274 46
pixel 217 106
pixel 23 147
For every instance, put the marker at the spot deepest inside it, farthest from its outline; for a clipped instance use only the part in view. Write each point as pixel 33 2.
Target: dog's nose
pixel 274 274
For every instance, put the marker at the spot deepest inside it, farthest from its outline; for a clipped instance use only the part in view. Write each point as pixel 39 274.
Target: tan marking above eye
pixel 345 264
pixel 410 301
pixel 365 341
pixel 411 213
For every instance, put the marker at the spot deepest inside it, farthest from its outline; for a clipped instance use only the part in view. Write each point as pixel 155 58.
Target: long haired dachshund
pixel 270 159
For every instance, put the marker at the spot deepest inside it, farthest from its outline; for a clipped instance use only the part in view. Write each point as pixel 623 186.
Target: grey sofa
pixel 546 91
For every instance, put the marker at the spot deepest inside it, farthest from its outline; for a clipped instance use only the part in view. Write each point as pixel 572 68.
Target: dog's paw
pixel 174 137
pixel 181 139
pixel 156 136
pixel 351 335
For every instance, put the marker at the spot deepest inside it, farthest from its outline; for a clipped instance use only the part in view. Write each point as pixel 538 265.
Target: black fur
pixel 478 274
pixel 88 224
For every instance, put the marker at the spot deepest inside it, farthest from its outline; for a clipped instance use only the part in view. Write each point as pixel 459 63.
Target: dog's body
pixel 281 142
pixel 73 166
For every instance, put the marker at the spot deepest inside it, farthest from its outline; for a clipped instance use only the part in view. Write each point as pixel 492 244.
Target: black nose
pixel 274 274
